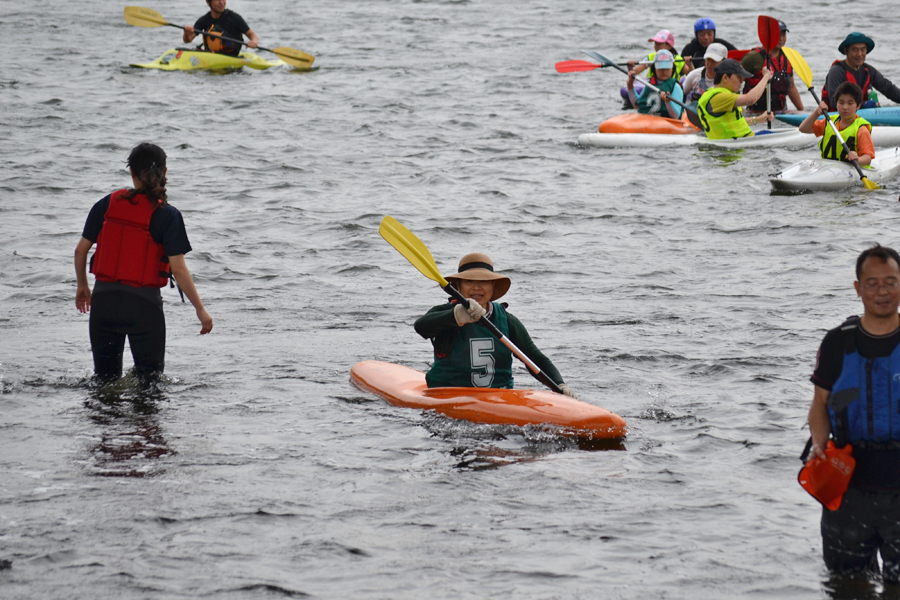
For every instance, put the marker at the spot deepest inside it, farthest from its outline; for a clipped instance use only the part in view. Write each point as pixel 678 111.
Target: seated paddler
pixel 854 130
pixel 650 102
pixel 719 108
pixel 467 354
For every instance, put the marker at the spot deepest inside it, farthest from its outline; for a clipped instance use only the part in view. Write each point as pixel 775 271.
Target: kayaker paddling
pixel 782 84
pixel 855 130
pixel 650 102
pixel 854 68
pixel 704 35
pixel 467 354
pixel 224 22
pixel 140 240
pixel 721 115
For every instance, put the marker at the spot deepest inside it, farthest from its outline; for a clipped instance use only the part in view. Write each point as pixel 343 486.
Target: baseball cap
pixel 664 36
pixel 716 51
pixel 729 66
pixel 782 27
pixel 664 60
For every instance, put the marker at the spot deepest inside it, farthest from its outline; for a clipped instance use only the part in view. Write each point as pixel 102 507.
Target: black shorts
pixel 867 523
pixel 115 315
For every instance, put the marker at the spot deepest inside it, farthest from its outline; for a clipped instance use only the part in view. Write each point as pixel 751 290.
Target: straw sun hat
pixel 479 267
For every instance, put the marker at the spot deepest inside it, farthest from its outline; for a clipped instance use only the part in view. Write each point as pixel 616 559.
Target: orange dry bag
pixel 827 479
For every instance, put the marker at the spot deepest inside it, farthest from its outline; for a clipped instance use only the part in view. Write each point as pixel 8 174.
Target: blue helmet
pixel 702 24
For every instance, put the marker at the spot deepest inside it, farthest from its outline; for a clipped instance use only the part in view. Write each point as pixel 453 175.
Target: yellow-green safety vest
pixel 679 64
pixel 830 146
pixel 721 126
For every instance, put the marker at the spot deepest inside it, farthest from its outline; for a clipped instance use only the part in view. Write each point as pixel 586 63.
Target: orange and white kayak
pixel 402 386
pixel 638 123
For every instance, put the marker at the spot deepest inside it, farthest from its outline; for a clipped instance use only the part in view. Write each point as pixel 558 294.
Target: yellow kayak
pixel 194 60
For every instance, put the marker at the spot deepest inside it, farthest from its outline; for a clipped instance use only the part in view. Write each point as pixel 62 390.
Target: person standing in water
pixel 856 401
pixel 141 242
pixel 467 354
pixel 223 22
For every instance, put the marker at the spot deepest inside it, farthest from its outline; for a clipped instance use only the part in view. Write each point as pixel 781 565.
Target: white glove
pixel 468 315
pixel 568 391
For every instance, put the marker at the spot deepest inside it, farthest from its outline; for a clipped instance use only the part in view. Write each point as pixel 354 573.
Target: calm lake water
pixel 668 286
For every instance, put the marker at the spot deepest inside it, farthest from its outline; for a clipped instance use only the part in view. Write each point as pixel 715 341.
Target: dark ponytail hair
pixel 148 163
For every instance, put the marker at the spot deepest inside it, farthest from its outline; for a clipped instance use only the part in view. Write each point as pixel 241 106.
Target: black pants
pixel 117 314
pixel 868 522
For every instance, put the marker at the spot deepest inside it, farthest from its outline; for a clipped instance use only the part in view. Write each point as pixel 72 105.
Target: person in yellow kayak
pixel 856 402
pixel 719 108
pixel 224 22
pixel 467 354
pixel 663 40
pixel 855 130
pixel 649 102
pixel 854 68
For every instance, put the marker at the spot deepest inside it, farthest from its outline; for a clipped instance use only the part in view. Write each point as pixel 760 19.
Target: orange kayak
pixel 638 123
pixel 402 386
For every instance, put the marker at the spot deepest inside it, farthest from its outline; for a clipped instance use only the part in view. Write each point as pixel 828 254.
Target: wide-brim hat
pixel 479 267
pixel 856 38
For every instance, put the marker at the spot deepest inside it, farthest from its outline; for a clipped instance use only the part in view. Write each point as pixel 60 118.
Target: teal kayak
pixel 886 116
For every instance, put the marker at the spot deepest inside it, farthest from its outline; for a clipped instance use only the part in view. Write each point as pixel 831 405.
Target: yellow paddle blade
pixel 295 58
pixel 411 247
pixel 870 185
pixel 799 64
pixel 143 17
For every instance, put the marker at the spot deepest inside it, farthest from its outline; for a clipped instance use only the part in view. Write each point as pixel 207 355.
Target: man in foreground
pixel 856 401
pixel 224 22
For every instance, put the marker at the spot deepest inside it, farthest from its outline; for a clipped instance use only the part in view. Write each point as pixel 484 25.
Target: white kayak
pixel 821 175
pixel 786 138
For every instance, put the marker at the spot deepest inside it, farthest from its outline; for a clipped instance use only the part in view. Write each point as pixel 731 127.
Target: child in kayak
pixel 649 102
pixel 855 130
pixel 663 40
pixel 467 354
pixel 721 115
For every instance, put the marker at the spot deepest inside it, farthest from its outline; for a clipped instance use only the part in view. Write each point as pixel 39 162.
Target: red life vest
pixel 126 252
pixel 849 76
pixel 780 82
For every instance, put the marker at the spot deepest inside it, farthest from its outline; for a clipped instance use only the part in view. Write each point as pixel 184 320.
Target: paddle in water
pixel 802 69
pixel 419 256
pixel 147 17
pixel 769 36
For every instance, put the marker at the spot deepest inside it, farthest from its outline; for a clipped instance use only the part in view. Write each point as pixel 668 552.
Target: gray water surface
pixel 669 286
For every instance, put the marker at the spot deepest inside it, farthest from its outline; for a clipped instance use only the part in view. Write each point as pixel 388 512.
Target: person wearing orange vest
pixel 141 243
pixel 224 22
pixel 856 131
pixel 782 83
pixel 855 69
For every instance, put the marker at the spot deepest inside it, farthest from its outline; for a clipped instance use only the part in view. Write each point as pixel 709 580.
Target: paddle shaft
pixel 837 133
pixel 542 377
pixel 769 34
pixel 227 39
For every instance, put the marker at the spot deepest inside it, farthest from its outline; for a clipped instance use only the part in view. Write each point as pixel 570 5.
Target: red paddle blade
pixel 769 31
pixel 737 54
pixel 570 66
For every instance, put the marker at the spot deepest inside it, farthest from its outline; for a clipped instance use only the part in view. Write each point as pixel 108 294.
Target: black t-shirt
pixel 695 51
pixel 230 24
pixel 166 228
pixel 876 468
